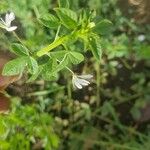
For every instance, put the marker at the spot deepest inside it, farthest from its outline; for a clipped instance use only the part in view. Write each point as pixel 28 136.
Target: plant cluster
pixel 60 48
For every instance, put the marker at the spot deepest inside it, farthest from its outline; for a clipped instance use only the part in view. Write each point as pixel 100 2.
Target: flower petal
pixel 88 76
pixel 2 21
pixel 2 25
pixel 77 85
pixel 11 28
pixel 83 82
pixel 9 18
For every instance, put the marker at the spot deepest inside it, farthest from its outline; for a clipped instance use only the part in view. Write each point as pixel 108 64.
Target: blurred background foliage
pixel 113 113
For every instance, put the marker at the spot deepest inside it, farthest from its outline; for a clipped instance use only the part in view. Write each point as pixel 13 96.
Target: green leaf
pixel 143 52
pixel 103 27
pixel 75 57
pixel 48 72
pixel 15 67
pixel 19 49
pixel 67 17
pixel 33 65
pixel 58 54
pixel 33 77
pixel 49 21
pixel 95 45
pixel 62 64
pixel 63 3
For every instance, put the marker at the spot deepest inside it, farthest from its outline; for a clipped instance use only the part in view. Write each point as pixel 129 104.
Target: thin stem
pixel 98 83
pixel 70 70
pixel 67 68
pixel 69 91
pixel 51 46
pixel 56 36
pixel 17 37
pixel 37 14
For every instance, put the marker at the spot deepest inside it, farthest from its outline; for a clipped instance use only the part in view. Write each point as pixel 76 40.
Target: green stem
pixel 17 37
pixel 53 45
pixel 56 36
pixel 37 14
pixel 98 83
pixel 67 68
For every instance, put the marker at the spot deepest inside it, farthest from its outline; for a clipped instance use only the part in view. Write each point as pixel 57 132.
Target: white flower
pixel 6 24
pixel 141 38
pixel 81 81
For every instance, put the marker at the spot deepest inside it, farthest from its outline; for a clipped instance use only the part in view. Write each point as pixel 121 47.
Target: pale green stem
pixel 17 37
pixel 51 46
pixel 36 12
pixel 56 36
pixel 67 68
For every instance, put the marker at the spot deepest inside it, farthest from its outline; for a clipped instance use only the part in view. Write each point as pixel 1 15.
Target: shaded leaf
pixel 95 45
pixel 33 66
pixel 64 3
pixel 19 49
pixel 49 21
pixel 67 17
pixel 103 27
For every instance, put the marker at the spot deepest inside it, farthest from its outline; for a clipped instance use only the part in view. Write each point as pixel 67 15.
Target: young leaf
pixel 75 57
pixel 63 3
pixel 19 49
pixel 49 21
pixel 67 17
pixel 95 47
pixel 15 67
pixel 33 66
pixel 103 27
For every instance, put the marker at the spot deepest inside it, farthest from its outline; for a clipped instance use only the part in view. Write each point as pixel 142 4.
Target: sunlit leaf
pixel 15 67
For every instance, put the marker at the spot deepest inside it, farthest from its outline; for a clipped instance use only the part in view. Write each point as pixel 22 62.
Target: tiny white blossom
pixel 81 81
pixel 141 38
pixel 6 24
